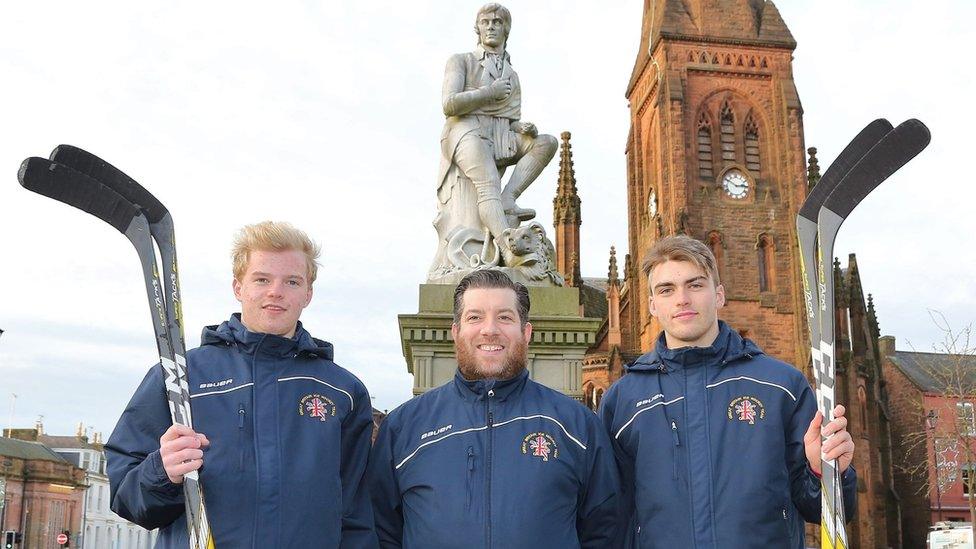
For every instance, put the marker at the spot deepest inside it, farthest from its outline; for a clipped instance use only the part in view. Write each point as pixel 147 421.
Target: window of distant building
pixel 705 170
pixel 752 145
pixel 727 133
pixel 764 257
pixel 966 419
pixel 967 480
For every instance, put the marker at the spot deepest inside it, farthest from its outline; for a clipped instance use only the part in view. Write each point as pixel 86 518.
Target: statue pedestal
pixel 560 337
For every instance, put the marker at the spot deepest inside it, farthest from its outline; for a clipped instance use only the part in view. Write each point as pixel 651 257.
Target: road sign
pixel 62 539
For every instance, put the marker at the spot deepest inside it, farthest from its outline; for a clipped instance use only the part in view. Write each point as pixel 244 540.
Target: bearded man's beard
pixel 471 370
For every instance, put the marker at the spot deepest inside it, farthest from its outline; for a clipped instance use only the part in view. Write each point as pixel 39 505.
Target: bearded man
pixel 492 458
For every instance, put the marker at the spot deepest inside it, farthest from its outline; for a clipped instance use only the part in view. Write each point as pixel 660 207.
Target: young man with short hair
pixel 718 443
pixel 492 458
pixel 281 433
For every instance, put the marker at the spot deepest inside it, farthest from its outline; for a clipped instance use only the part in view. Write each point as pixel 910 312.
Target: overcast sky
pixel 328 115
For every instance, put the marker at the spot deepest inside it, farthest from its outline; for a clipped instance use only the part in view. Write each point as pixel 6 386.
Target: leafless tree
pixel 944 427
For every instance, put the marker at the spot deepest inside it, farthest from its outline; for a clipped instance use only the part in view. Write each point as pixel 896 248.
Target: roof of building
pixel 24 449
pixel 66 442
pixel 740 21
pixel 934 372
pixel 593 296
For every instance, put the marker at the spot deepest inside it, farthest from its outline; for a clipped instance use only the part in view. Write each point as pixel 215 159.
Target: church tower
pixel 716 152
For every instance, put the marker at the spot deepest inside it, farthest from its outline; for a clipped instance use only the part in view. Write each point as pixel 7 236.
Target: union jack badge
pixel 316 406
pixel 746 408
pixel 540 445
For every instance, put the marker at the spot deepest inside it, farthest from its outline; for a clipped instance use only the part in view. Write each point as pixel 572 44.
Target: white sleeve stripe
pixel 429 442
pixel 642 410
pixel 221 391
pixel 571 437
pixel 352 403
pixel 747 378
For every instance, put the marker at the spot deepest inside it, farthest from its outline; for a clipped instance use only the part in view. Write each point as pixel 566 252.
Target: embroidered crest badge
pixel 316 406
pixel 746 408
pixel 540 445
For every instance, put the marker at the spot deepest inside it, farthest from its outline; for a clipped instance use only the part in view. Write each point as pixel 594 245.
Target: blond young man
pixel 281 433
pixel 718 443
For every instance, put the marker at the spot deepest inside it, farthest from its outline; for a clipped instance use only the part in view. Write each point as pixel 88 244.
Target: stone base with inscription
pixel 560 337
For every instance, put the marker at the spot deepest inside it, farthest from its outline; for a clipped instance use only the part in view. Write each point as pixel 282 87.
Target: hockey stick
pixel 160 224
pixel 806 230
pixel 87 194
pixel 838 198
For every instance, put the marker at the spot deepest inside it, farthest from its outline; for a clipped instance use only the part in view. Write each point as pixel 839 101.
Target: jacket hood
pixel 728 347
pixel 233 332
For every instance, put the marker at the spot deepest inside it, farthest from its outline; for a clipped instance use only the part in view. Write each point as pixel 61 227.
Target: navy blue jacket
pixel 289 439
pixel 710 446
pixel 486 464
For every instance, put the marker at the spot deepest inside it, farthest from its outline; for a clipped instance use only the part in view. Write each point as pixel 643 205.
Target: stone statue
pixel 477 219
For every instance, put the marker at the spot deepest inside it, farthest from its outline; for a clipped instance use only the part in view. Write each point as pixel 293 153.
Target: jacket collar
pixel 480 52
pixel 728 347
pixel 233 332
pixel 475 390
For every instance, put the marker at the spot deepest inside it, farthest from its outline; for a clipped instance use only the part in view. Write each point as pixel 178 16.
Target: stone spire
pixel 566 217
pixel 566 205
pixel 612 277
pixel 813 168
pixel 873 318
pixel 613 301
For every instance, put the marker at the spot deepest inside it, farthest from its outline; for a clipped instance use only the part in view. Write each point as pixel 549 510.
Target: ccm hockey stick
pixel 806 230
pixel 832 204
pixel 88 194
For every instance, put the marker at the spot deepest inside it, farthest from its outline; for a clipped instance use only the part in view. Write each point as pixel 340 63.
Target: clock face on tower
pixel 736 184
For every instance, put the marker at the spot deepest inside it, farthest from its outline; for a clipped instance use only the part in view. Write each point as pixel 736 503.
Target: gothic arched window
pixel 727 133
pixel 705 147
pixel 752 145
pixel 764 259
pixel 718 250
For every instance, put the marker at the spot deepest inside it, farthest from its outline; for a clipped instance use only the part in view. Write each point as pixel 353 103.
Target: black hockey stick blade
pixel 897 148
pixel 96 168
pixel 74 188
pixel 839 168
pixel 160 222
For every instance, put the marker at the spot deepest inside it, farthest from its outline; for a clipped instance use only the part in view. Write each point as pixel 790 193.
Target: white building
pixel 100 527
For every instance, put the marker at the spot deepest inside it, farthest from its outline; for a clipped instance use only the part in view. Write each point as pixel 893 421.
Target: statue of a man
pixel 483 135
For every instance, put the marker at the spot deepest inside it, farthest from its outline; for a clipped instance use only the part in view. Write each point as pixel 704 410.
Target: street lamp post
pixel 930 420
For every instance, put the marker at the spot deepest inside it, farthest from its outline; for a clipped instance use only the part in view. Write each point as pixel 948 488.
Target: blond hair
pixel 681 248
pixel 273 236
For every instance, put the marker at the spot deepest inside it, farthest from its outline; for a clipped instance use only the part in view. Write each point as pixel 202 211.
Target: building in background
pixel 43 493
pixel 97 526
pixel 933 395
pixel 101 528
pixel 716 151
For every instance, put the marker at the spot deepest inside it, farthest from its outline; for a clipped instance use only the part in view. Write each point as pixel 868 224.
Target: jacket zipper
pixel 674 449
pixel 470 474
pixel 491 421
pixel 240 435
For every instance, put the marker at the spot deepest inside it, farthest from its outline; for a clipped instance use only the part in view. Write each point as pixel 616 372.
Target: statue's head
pixel 493 25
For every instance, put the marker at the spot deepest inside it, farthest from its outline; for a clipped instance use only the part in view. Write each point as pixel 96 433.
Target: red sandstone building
pixel 43 493
pixel 716 151
pixel 933 426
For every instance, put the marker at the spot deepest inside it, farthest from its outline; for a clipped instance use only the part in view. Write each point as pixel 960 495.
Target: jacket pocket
pixel 470 477
pixel 241 414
